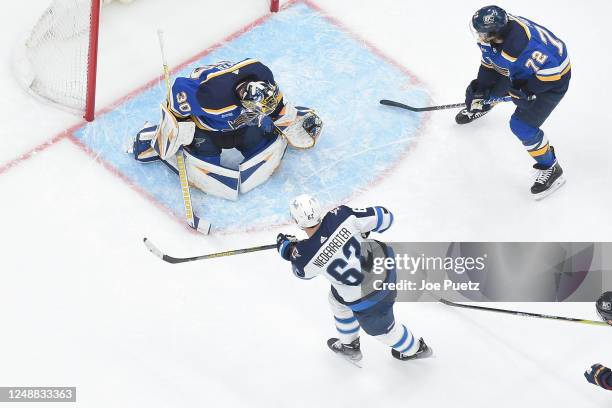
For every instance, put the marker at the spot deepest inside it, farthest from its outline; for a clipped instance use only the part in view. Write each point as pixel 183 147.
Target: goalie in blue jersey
pixel 528 62
pixel 336 249
pixel 227 106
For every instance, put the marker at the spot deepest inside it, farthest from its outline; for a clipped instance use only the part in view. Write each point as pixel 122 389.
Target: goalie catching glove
pixel 300 126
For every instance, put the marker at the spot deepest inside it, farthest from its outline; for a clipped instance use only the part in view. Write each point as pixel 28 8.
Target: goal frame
pixel 92 61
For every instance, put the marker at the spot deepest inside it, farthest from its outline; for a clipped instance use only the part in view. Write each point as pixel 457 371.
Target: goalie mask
pixel 305 211
pixel 604 306
pixel 261 97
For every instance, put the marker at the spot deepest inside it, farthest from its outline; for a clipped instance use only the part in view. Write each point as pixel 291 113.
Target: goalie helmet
pixel 488 23
pixel 604 306
pixel 305 211
pixel 260 97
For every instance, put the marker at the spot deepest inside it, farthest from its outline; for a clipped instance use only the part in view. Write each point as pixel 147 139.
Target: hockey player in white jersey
pixel 335 248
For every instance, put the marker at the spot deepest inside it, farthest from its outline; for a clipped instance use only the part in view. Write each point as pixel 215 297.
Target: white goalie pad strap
pixel 171 134
pixel 291 123
pixel 210 178
pixel 258 169
pixel 147 132
pixel 141 148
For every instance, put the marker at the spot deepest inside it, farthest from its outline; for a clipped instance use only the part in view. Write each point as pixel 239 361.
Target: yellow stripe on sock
pixel 539 152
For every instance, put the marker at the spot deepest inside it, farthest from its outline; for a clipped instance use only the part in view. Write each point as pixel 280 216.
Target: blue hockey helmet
pixel 604 306
pixel 489 22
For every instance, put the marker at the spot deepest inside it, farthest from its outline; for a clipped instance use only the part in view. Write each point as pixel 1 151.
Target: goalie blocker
pixel 298 127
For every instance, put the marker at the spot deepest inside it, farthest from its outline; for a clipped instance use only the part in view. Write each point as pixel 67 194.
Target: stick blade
pixel 152 248
pixel 400 105
pixel 158 253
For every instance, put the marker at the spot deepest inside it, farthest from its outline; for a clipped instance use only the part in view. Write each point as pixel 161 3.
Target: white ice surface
pixel 83 303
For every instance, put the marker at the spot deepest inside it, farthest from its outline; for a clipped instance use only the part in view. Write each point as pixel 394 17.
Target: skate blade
pixel 556 185
pixel 356 363
pixel 350 360
pixel 426 354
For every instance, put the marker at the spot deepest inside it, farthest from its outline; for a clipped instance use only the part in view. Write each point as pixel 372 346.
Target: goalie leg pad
pixel 171 134
pixel 258 169
pixel 211 178
pixel 143 152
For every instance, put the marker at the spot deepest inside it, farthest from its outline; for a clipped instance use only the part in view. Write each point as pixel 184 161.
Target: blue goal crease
pixel 316 64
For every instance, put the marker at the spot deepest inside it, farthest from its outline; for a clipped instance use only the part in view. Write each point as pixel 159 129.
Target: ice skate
pixel 423 352
pixel 547 180
pixel 350 352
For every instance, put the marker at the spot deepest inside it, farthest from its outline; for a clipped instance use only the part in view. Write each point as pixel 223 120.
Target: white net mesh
pixel 53 63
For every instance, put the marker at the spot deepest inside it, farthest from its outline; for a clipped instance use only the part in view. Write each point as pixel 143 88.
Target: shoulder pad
pixel 515 41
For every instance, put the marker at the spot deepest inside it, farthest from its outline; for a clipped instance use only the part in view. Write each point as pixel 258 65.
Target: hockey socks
pixel 400 339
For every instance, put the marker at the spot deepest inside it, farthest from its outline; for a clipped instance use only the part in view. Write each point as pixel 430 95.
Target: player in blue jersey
pixel 223 100
pixel 215 96
pixel 224 106
pixel 531 64
pixel 598 374
pixel 336 249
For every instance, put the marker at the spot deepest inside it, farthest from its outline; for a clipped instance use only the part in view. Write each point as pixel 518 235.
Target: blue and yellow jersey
pixel 208 96
pixel 531 56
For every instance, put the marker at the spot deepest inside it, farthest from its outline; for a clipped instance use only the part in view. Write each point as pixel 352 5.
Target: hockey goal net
pixel 58 58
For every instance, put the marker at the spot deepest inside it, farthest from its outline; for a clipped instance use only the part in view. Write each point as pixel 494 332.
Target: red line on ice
pixel 69 133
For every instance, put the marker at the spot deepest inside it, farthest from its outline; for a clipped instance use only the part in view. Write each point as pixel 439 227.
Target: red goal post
pixel 58 60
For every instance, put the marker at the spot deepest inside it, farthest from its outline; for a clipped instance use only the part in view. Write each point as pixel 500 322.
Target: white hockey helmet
pixel 305 211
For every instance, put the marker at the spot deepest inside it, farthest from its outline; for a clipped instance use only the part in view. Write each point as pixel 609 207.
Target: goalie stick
pixel 441 107
pixel 525 314
pixel 195 222
pixel 173 260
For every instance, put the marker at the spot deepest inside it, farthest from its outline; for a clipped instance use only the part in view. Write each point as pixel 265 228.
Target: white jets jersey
pixel 334 250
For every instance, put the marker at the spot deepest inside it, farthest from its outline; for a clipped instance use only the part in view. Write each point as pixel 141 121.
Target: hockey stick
pixel 441 107
pixel 525 314
pixel 174 260
pixel 199 224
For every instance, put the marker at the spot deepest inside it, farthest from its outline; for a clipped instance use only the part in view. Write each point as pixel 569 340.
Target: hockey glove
pixel 599 375
pixel 284 245
pixel 521 98
pixel 474 97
